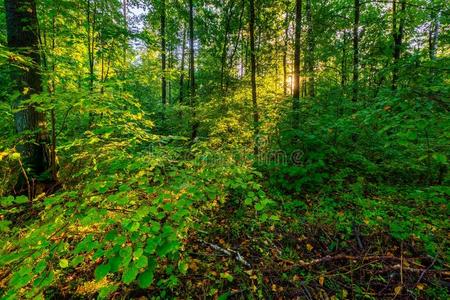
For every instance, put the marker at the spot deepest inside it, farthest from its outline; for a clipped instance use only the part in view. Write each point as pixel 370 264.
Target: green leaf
pixel 142 262
pixel 101 271
pixel 15 156
pixel 77 260
pixel 151 245
pixel 40 266
pixel 115 263
pixel 145 279
pixel 259 206
pixel 64 263
pixel 182 267
pixel 130 274
pixel 20 280
pixel 440 158
pixel 21 200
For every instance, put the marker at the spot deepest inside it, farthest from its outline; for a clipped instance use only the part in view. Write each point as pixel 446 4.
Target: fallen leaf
pixel 321 280
pixel 420 286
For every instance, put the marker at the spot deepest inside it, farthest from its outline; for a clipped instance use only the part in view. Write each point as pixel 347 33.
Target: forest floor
pixel 222 232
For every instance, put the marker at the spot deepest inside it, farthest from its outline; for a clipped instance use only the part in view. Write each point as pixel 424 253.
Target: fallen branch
pixel 415 270
pixel 426 270
pixel 228 252
pixel 345 257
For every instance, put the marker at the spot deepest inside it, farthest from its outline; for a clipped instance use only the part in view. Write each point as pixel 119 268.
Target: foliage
pixel 352 202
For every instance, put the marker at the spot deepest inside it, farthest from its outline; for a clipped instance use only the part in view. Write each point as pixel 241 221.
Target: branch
pixel 228 252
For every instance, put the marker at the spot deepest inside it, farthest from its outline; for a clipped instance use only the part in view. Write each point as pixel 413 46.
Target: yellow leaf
pixel 344 294
pixel 420 286
pixel 398 289
pixel 309 247
pixel 321 280
pixel 296 278
pixel 274 288
pixel 3 154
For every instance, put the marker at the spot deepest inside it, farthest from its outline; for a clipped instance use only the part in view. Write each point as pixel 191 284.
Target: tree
pixel 297 47
pixel 253 76
pixel 183 55
pixel 309 55
pixel 163 53
pixel 22 37
pixel 397 34
pixel 195 123
pixel 285 52
pixel 355 83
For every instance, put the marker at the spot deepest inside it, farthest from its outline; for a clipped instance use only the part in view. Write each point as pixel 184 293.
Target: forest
pixel 224 149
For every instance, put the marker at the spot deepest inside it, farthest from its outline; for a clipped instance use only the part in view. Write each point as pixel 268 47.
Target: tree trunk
pixel 236 44
pixel 183 55
pixel 285 51
pixel 125 17
pixel 195 123
pixel 434 31
pixel 224 67
pixel 22 35
pixel 310 50
pixel 170 66
pixel 355 84
pixel 397 34
pixel 163 54
pixel 344 63
pixel 253 77
pixel 91 20
pixel 297 46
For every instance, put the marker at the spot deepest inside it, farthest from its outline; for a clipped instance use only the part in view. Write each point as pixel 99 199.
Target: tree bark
pixel 183 55
pixel 310 50
pixel 297 47
pixel 125 17
pixel 224 67
pixel 195 123
pixel 285 51
pixel 22 37
pixel 434 31
pixel 344 62
pixel 397 34
pixel 253 77
pixel 355 84
pixel 163 54
pixel 91 22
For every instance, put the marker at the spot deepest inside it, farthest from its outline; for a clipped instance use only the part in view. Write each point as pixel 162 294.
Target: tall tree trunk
pixel 434 31
pixel 355 84
pixel 397 33
pixel 235 47
pixel 163 54
pixel 297 47
pixel 22 36
pixel 344 62
pixel 253 76
pixel 170 66
pixel 195 123
pixel 310 50
pixel 285 51
pixel 125 17
pixel 91 22
pixel 224 67
pixel 183 55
